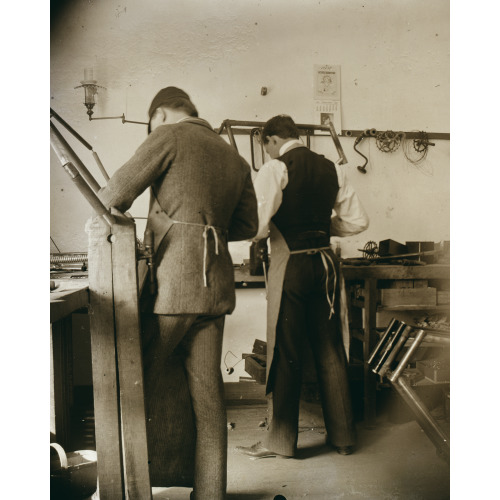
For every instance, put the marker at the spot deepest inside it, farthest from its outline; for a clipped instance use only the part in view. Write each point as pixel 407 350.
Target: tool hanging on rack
pixel 389 141
pixel 420 145
pixel 366 133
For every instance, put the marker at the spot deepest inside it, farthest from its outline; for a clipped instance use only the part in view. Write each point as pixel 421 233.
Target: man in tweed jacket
pixel 201 197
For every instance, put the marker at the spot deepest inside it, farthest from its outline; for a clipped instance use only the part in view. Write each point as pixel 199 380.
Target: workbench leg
pixel 61 381
pixel 369 337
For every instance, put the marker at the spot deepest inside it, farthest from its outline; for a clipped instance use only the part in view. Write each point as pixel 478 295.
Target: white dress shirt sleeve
pixel 269 184
pixel 349 216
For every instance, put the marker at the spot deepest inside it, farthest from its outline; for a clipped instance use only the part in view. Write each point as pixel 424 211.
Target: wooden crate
pixel 443 297
pixel 255 365
pixel 408 296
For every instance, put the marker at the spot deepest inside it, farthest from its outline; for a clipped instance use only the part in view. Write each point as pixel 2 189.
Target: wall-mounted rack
pixel 254 128
pixel 227 126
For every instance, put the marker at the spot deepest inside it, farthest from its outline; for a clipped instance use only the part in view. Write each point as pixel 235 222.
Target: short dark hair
pixel 283 126
pixel 181 104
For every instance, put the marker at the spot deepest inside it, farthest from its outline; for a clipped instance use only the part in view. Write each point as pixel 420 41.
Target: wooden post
pixel 121 441
pixel 129 355
pixel 104 370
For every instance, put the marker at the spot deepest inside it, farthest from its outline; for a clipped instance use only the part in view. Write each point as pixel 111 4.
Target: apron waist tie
pixel 206 229
pixel 325 259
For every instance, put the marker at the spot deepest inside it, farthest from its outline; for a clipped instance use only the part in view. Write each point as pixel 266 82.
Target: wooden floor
pixel 393 461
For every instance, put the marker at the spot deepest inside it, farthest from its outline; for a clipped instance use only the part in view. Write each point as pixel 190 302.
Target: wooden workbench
pixel 69 296
pixel 369 276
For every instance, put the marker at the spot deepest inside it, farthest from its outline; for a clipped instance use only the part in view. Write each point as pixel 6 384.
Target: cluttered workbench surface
pixel 396 279
pixel 69 291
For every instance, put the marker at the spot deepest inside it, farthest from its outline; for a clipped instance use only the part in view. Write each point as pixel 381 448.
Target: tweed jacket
pixel 205 187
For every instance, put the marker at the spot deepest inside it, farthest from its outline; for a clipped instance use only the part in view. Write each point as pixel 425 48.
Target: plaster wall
pixel 394 59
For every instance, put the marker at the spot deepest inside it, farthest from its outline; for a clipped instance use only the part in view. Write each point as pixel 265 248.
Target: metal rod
pixel 419 337
pixel 395 351
pixel 130 121
pixel 424 418
pixel 336 141
pixel 66 155
pixel 122 118
pixel 231 137
pixel 383 339
pixel 391 342
pixel 90 196
pixel 55 244
pixel 106 118
pixel 311 127
pixel 70 129
pixel 100 165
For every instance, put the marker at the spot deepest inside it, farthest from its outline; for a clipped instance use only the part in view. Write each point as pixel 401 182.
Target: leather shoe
pixel 258 451
pixel 344 450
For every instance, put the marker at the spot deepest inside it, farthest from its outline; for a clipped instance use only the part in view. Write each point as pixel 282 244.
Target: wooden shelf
pixel 415 307
pixel 418 307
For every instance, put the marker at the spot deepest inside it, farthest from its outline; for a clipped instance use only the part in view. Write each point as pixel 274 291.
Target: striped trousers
pixel 198 339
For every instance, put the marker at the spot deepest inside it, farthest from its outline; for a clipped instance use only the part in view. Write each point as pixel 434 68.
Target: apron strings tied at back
pixel 325 259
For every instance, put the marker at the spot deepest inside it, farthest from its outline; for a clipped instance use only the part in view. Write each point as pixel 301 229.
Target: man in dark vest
pixel 304 199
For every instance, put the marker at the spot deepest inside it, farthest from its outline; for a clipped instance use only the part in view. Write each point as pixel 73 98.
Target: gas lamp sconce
pixel 90 87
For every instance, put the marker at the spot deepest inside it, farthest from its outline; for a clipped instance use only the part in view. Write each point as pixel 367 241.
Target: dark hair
pixel 181 104
pixel 283 126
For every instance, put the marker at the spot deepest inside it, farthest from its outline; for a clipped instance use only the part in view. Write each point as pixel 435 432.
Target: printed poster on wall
pixel 327 82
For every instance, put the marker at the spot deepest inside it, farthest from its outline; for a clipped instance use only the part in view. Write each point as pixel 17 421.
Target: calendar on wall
pixel 327 95
pixel 328 111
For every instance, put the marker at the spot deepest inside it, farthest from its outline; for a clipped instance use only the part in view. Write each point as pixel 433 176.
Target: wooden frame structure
pixel 117 372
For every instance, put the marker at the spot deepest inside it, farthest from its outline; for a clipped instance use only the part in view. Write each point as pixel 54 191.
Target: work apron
pixel 280 253
pixel 161 223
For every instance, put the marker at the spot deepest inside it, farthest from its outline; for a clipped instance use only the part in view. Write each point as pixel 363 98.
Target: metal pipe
pixel 383 339
pixel 347 133
pixel 336 141
pixel 424 418
pixel 106 118
pixel 391 342
pixel 419 337
pixel 231 136
pixel 67 155
pixel 122 118
pixel 436 338
pixel 100 165
pixel 395 351
pixel 90 196
pixel 70 129
pixel 83 141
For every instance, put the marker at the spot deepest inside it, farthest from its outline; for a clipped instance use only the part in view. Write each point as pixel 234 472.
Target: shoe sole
pixel 283 457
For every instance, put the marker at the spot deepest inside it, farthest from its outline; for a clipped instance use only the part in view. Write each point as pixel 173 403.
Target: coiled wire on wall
pixel 420 145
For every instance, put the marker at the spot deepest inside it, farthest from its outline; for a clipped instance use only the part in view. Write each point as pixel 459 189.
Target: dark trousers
pixel 304 316
pixel 200 341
